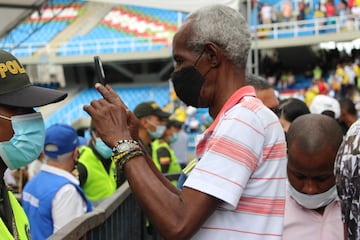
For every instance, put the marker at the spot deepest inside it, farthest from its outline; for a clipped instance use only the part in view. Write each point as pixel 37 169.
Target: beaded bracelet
pixel 116 157
pixel 120 163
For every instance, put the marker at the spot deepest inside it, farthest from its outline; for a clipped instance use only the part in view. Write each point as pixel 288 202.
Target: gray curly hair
pixel 223 26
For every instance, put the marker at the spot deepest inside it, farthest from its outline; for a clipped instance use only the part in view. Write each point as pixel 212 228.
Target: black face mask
pixel 187 85
pixel 188 82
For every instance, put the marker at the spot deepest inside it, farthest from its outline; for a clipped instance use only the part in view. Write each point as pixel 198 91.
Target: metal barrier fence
pixel 116 218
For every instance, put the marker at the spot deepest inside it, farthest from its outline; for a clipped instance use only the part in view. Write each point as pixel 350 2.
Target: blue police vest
pixel 38 206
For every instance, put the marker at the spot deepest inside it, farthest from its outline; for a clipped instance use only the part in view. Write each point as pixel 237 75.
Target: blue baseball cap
pixel 60 139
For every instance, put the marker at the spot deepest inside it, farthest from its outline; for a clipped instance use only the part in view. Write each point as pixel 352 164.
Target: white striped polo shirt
pixel 243 163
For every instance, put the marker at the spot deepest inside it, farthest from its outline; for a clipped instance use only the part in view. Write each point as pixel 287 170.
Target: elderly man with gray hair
pixel 237 188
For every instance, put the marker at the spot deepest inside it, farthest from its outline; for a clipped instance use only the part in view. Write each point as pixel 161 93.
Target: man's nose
pixel 310 187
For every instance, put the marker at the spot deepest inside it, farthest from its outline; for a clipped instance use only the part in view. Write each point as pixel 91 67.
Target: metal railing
pixel 116 218
pixel 311 27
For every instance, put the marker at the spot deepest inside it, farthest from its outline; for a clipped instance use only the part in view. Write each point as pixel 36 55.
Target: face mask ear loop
pixel 151 123
pixel 198 59
pixel 4 117
pixel 204 76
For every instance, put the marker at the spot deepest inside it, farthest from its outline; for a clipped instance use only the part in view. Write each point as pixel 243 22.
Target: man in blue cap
pixel 52 198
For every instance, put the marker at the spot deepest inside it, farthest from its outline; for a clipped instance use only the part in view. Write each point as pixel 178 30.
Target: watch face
pixel 124 146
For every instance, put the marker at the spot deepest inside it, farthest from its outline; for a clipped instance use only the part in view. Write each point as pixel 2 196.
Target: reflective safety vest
pixel 21 222
pixel 185 173
pixel 174 166
pixel 99 183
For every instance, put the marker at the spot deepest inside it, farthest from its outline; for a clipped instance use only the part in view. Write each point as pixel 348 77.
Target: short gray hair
pixel 258 82
pixel 223 26
pixel 61 158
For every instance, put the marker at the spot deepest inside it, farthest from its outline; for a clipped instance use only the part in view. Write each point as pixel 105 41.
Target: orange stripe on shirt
pixel 235 151
pixel 275 151
pixel 256 205
pixel 241 231
pixel 219 176
pixel 272 124
pixel 266 179
pixel 251 105
pixel 245 123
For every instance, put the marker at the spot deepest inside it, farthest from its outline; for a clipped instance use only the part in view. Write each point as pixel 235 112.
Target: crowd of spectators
pixel 290 10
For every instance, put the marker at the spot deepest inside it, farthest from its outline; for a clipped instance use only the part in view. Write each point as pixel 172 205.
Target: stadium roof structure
pixel 178 5
pixel 12 12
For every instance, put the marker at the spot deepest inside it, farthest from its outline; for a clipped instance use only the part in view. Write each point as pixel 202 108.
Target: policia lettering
pixel 11 66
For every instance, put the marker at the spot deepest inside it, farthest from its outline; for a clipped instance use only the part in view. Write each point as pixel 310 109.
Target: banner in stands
pixel 178 5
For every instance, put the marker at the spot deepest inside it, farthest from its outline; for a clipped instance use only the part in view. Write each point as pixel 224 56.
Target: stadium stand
pixel 40 28
pixel 112 28
pixel 126 29
pixel 132 95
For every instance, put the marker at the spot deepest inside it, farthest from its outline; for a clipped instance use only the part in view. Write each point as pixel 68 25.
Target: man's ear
pixel 76 154
pixel 214 54
pixel 143 122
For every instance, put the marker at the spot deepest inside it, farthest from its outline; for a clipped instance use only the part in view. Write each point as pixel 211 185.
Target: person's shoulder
pixel 354 129
pixel 65 195
pixel 86 154
pixel 84 148
pixel 66 189
pixel 250 107
pixel 349 147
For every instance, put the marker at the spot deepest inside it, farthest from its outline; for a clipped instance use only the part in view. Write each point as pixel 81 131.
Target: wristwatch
pixel 124 150
pixel 123 146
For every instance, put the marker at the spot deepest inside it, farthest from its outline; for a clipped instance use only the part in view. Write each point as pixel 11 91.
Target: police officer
pixel 96 169
pixel 162 154
pixel 18 120
pixel 152 125
pixel 155 131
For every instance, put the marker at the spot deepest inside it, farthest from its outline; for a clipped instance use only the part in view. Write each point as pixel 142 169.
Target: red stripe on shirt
pixel 256 205
pixel 219 176
pixel 245 123
pixel 252 105
pixel 275 151
pixel 235 151
pixel 240 231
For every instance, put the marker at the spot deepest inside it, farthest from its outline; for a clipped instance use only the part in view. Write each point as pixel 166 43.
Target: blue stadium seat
pixel 130 95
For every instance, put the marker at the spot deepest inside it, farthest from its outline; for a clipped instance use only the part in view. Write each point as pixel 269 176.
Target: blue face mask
pixel 102 148
pixel 174 137
pixel 159 131
pixel 27 142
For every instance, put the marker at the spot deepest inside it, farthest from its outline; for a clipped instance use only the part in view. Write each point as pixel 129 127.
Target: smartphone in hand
pixel 99 70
